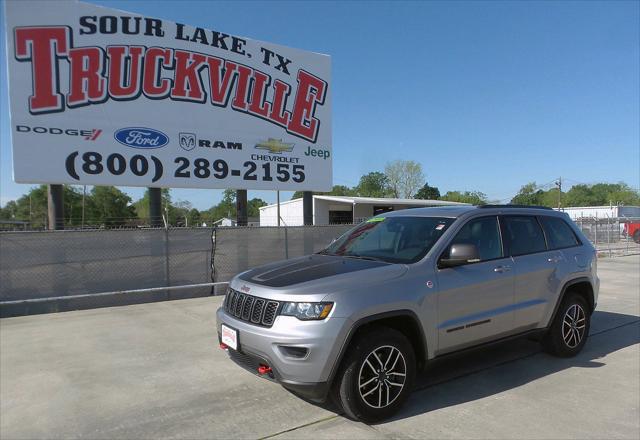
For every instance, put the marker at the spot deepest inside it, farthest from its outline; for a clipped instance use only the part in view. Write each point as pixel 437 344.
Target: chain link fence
pixel 612 236
pixel 41 265
pixel 238 249
pixel 67 263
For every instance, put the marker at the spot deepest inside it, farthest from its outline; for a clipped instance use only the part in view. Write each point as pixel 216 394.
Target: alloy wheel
pixel 573 325
pixel 382 376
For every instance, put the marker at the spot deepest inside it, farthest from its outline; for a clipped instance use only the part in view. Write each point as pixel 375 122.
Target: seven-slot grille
pixel 250 308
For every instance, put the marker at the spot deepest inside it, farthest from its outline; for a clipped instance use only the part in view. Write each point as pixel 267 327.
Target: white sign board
pixel 105 97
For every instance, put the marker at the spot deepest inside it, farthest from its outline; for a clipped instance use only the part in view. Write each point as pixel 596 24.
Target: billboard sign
pixel 104 97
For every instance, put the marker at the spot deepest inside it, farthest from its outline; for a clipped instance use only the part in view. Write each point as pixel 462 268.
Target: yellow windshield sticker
pixel 375 219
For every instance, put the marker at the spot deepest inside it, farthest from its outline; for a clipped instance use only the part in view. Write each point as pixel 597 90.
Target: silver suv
pixel 357 320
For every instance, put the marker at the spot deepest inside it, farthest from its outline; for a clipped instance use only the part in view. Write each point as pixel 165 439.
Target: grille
pixel 251 308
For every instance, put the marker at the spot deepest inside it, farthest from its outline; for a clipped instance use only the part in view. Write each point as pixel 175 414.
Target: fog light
pixel 294 352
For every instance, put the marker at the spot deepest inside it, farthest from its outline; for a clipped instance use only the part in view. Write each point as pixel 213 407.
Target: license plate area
pixel 229 337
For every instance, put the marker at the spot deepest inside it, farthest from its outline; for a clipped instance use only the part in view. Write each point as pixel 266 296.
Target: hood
pixel 315 267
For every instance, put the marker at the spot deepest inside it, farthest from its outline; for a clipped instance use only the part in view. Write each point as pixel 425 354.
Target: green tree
pixel 194 218
pixel 109 206
pixel 529 194
pixel 601 194
pixel 404 177
pixel 373 184
pixel 254 205
pixel 142 205
pixel 9 211
pixel 32 207
pixel 428 192
pixel 226 207
pixel 473 197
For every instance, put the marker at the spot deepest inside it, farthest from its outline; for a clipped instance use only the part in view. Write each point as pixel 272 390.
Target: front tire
pixel 570 328
pixel 377 375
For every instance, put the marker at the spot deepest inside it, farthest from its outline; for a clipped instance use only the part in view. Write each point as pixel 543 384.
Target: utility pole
pixel 559 186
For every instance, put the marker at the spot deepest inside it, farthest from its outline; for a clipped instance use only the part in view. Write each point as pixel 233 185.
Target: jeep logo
pixel 325 154
pixel 140 137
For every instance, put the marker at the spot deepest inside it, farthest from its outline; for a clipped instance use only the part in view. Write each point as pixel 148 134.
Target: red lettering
pixel 125 71
pixel 240 100
pixel 41 45
pixel 153 85
pixel 220 82
pixel 187 83
pixel 259 105
pixel 86 83
pixel 311 91
pixel 280 93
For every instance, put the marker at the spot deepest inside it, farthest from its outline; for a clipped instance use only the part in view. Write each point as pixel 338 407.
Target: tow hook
pixel 224 346
pixel 264 369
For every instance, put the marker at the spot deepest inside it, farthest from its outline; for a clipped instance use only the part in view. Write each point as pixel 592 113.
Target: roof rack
pixel 516 206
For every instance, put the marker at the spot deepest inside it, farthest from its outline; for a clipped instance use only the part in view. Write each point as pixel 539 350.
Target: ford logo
pixel 140 137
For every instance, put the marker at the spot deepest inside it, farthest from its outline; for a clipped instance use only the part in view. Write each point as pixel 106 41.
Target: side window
pixel 485 234
pixel 558 232
pixel 524 235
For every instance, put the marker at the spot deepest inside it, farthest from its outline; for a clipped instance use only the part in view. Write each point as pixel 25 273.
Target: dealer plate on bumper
pixel 230 337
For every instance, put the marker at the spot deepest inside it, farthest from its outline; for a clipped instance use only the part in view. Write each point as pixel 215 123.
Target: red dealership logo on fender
pixel 125 72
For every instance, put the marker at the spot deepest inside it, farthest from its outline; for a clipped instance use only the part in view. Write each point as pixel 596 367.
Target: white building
pixel 339 209
pixel 576 212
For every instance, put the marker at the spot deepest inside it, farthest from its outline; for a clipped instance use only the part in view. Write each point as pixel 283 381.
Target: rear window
pixel 524 235
pixel 558 232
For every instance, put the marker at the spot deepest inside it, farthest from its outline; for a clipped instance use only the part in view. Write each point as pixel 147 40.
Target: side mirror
pixel 460 254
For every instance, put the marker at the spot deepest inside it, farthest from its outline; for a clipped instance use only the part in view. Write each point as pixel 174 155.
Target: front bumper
pixel 308 375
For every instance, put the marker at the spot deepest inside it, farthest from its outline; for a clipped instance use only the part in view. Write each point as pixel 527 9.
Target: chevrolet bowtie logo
pixel 275 146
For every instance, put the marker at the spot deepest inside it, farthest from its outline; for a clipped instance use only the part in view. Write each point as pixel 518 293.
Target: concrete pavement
pixel 154 370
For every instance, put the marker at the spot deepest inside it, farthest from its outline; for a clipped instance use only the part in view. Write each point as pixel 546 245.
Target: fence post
pixel 167 274
pixel 609 235
pixel 286 243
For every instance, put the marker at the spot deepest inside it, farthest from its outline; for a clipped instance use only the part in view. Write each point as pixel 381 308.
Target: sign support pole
pixel 55 206
pixel 307 207
pixel 241 207
pixel 155 207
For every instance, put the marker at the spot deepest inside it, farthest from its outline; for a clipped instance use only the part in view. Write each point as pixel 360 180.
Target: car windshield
pixel 390 239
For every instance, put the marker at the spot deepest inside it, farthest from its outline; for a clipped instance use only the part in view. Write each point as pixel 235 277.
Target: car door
pixel 475 300
pixel 535 269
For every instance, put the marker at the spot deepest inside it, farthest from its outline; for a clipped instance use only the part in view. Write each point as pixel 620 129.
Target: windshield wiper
pixel 365 257
pixel 324 252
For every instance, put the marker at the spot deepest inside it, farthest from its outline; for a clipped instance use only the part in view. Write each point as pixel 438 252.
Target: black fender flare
pixel 563 293
pixel 370 319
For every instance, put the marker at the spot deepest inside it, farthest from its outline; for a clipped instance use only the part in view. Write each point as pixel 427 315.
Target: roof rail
pixel 515 206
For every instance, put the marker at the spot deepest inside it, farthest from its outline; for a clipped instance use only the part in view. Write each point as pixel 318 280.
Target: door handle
pixel 553 259
pixel 502 269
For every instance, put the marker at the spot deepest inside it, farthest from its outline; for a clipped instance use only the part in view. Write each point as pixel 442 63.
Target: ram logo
pixel 187 141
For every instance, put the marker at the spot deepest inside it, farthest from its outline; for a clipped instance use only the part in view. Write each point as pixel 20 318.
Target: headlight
pixel 307 311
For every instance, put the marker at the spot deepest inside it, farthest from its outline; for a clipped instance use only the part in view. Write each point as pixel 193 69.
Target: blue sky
pixel 486 96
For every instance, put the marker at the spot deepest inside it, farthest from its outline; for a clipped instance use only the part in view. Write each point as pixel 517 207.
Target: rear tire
pixel 570 327
pixel 377 375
